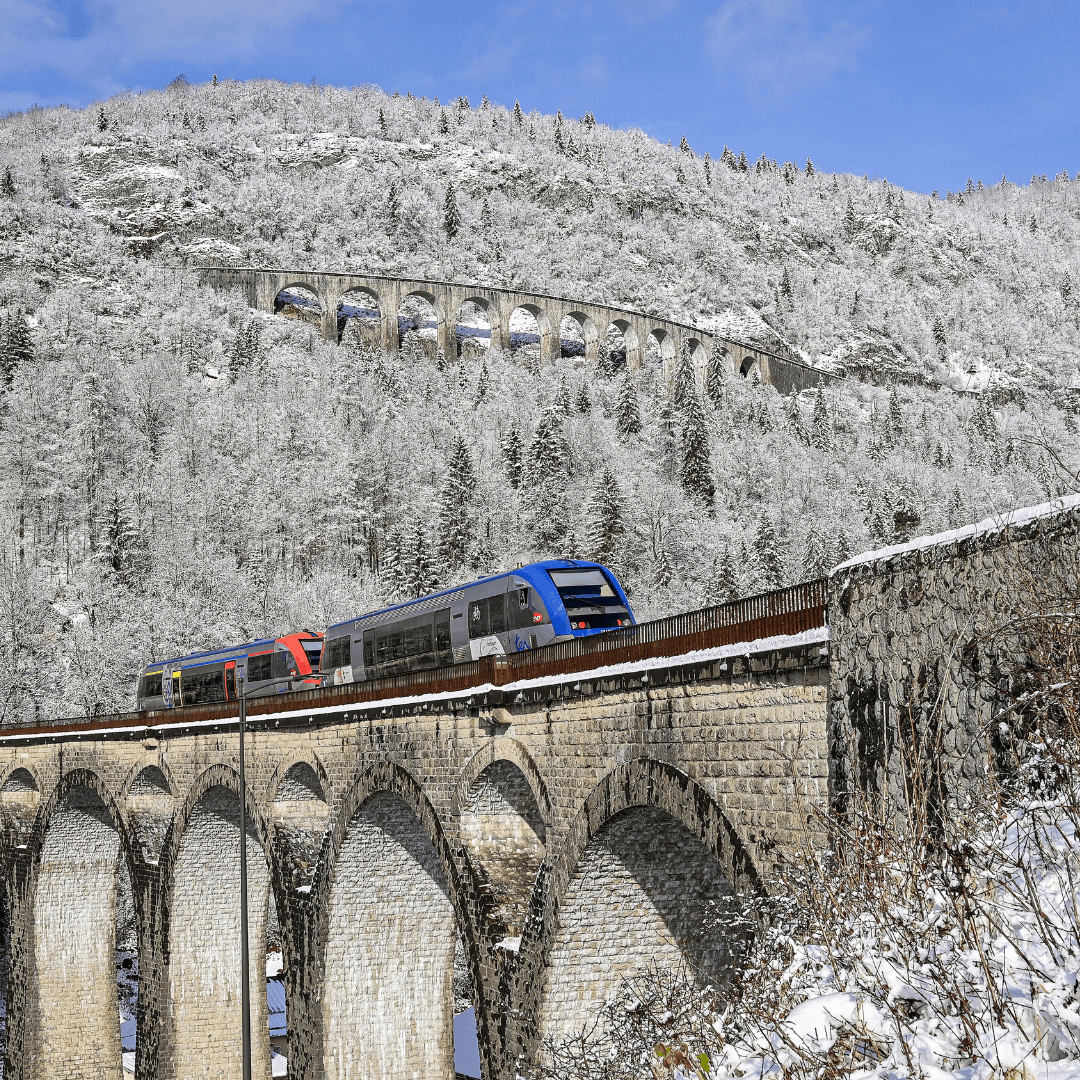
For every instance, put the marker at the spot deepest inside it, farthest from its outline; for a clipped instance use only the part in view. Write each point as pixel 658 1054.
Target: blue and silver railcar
pixel 270 666
pixel 522 609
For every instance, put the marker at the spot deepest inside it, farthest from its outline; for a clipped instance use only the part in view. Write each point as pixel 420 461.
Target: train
pixel 520 609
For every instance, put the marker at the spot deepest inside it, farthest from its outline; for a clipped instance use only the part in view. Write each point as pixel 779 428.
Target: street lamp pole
pixel 245 964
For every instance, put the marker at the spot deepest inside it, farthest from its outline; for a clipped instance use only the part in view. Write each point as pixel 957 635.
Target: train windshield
pixel 313 651
pixel 590 600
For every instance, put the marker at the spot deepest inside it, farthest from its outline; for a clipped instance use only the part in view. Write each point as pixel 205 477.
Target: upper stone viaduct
pixel 262 287
pixel 551 821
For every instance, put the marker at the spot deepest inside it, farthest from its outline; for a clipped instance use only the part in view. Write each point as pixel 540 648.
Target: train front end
pixel 581 598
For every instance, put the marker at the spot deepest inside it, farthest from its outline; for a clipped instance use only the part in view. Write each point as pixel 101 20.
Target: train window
pixel 202 685
pixel 369 649
pixel 478 619
pixel 445 654
pixel 389 647
pixel 259 667
pixel 313 651
pixel 152 685
pixel 497 614
pixel 284 664
pixel 230 682
pixel 339 653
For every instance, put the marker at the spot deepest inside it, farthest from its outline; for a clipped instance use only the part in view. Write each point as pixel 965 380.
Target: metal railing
pixel 783 612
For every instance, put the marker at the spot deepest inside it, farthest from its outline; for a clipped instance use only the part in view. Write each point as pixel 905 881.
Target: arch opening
pixel 300 783
pixel 299 302
pixel 525 333
pixel 359 318
pixel 203 973
pixel 418 324
pixel 660 348
pixel 646 891
pixel 151 781
pixel 505 835
pixel 578 336
pixel 20 781
pixel 393 1014
pixel 472 328
pixel 699 358
pixel 83 928
pixel 748 367
pixel 613 351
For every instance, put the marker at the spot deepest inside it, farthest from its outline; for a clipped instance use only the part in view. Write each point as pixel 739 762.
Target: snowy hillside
pixel 182 472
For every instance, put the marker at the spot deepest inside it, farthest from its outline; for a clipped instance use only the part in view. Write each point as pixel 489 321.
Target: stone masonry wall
pixel 731 753
pixel 912 660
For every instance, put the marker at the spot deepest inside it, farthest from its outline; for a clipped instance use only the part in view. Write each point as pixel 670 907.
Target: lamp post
pixel 245 979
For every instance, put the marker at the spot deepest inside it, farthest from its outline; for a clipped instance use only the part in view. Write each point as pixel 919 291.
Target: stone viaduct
pixel 263 287
pixel 544 823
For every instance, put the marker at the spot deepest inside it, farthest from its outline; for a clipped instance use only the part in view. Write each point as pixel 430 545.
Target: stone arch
pixel 359 308
pixel 20 779
pixel 583 327
pixel 79 852
pixel 420 312
pixel 299 299
pixel 504 748
pixel 158 778
pixel 200 881
pixel 526 331
pixel 390 893
pixel 305 770
pixel 617 340
pixel 662 349
pixel 475 309
pixel 748 366
pixel 628 888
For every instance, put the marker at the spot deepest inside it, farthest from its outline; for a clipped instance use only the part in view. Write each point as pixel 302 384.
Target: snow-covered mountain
pixel 183 472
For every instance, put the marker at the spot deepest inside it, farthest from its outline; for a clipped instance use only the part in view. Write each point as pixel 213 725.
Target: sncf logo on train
pixel 526 608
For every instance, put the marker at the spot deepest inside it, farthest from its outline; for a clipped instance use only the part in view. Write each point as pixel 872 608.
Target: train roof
pixel 223 651
pixel 545 565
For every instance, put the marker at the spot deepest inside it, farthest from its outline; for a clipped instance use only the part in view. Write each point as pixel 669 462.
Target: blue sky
pixel 926 94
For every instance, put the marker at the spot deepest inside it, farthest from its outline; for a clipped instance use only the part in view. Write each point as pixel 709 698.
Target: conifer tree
pixel 519 116
pixel 706 164
pixel 391 563
pixel 896 415
pixel 483 383
pixel 455 508
pixel 122 549
pixel 583 402
pixel 451 216
pixel 16 346
pixel 685 384
pixel 417 572
pixel 7 184
pixel 821 429
pixel 513 455
pixel 444 123
pixel 715 372
pixel 809 167
pixel 627 410
pixel 393 208
pixel 383 129
pixel 696 472
pixel 663 570
pixel 722 582
pixel 547 453
pixel 767 551
pixel 851 221
pixel 605 367
pixel 562 397
pixel 794 418
pixel 102 119
pixel 605 519
pixel 817 558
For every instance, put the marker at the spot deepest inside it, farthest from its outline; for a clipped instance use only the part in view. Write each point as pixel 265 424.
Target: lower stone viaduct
pixel 547 822
pixel 263 289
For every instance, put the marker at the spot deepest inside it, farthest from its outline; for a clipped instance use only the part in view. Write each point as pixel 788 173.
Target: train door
pixel 521 616
pixel 176 696
pixel 230 680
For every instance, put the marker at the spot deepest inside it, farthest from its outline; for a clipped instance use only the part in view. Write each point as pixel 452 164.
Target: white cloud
pixel 37 49
pixel 777 45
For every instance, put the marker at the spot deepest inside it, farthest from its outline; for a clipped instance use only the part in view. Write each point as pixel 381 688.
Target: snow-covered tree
pixel 605 519
pixel 455 509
